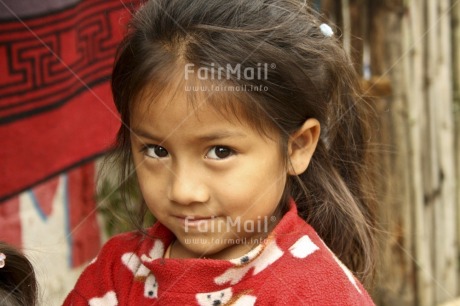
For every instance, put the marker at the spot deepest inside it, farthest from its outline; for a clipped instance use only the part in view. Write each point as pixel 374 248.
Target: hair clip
pixel 326 30
pixel 2 260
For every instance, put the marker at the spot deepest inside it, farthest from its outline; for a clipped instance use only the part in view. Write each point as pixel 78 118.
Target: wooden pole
pixel 357 11
pixel 441 102
pixel 388 27
pixel 413 61
pixel 346 26
pixel 456 103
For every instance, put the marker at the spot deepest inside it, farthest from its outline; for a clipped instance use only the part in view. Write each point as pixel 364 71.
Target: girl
pixel 18 286
pixel 243 123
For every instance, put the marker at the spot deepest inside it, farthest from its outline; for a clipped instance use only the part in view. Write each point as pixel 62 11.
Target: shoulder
pixel 123 249
pixel 112 252
pixel 124 241
pixel 97 281
pixel 311 274
pixel 120 244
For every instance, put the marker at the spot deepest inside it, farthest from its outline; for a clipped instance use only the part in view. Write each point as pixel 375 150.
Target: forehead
pixel 170 87
pixel 179 102
pixel 193 96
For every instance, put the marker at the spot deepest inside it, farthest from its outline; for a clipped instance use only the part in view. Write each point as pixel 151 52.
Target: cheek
pixel 269 174
pixel 259 181
pixel 150 185
pixel 152 195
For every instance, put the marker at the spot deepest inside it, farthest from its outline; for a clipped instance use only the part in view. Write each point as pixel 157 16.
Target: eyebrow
pixel 205 138
pixel 220 135
pixel 145 134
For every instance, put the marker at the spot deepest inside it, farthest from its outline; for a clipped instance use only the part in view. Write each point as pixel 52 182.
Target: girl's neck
pixel 177 250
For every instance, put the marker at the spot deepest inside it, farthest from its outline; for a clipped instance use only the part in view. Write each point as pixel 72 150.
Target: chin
pixel 204 250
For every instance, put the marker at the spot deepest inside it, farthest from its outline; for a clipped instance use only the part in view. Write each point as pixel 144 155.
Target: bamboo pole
pixel 413 56
pixel 441 99
pixel 456 103
pixel 432 181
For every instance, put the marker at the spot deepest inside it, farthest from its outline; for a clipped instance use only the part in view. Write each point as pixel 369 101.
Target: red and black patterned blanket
pixel 56 111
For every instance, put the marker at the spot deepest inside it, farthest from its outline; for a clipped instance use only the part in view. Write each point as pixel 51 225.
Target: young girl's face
pixel 211 180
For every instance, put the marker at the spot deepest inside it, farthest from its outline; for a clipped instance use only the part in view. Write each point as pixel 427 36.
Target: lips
pixel 193 218
pixel 194 221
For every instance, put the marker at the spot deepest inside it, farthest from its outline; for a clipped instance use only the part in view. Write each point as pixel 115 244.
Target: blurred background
pixel 57 120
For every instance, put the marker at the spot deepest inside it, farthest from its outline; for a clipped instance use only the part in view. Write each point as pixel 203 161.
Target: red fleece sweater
pixel 291 267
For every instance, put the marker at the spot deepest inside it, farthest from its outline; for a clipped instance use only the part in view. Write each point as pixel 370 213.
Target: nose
pixel 187 186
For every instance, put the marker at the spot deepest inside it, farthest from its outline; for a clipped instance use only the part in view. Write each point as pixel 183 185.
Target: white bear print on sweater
pixel 141 272
pixel 225 297
pixel 109 299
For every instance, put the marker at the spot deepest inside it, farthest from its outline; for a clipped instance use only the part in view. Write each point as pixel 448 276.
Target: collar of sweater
pixel 205 275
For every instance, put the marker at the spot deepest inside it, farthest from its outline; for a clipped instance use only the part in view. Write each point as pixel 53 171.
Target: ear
pixel 302 145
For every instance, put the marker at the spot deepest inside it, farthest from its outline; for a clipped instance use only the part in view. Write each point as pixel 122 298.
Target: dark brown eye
pixel 156 152
pixel 219 152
